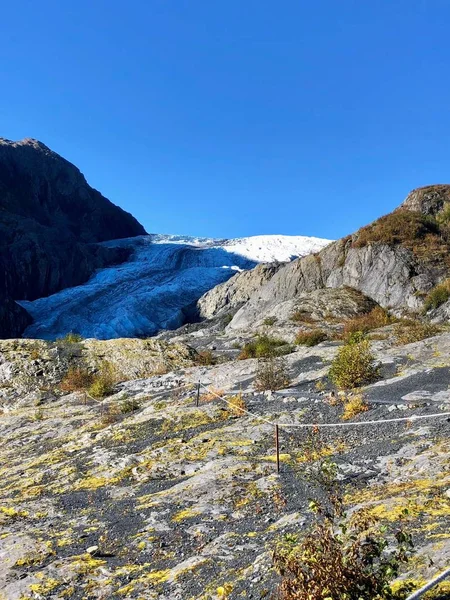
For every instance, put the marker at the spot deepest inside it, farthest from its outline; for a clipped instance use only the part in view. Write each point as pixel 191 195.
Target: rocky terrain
pixel 143 494
pixel 147 468
pixel 50 223
pixel 395 261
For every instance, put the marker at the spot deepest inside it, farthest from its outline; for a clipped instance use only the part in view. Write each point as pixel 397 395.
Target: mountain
pixel 158 286
pixel 395 261
pixel 50 223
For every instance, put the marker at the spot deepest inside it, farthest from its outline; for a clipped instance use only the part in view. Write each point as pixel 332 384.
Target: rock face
pixel 429 200
pixel 395 261
pixel 50 220
pixel 321 305
pixel 236 291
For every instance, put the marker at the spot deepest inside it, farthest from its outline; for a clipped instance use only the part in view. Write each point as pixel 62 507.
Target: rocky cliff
pixel 395 261
pixel 50 220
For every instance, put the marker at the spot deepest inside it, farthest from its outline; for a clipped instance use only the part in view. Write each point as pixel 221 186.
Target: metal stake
pixel 197 400
pixel 277 447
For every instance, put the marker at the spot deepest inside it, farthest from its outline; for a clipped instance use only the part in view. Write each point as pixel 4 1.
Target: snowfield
pixel 157 288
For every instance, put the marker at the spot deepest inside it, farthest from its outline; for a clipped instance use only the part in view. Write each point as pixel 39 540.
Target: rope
pixel 321 425
pixel 429 585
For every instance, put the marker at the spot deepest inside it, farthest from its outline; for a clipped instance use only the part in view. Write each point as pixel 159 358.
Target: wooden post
pixel 197 400
pixel 277 447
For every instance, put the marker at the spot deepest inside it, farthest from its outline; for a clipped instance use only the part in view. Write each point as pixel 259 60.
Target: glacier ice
pixel 154 289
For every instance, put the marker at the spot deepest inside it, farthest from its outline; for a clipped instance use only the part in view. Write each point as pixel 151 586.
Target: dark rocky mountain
pixel 50 222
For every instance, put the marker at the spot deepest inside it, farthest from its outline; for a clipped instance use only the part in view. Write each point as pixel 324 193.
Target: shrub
pixel 352 559
pixel 311 338
pixel 269 321
pixel 353 406
pixel 129 405
pixel 103 383
pixel 437 296
pixel 206 358
pixel 76 379
pixel 374 319
pixel 70 338
pixel 410 331
pixel 237 404
pixel 272 374
pixel 354 365
pixel 302 316
pixel 110 415
pixel 264 346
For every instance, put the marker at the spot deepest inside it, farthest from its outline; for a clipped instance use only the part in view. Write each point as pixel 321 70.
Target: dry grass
pixel 211 394
pixel 409 331
pixel 301 316
pixel 311 338
pixel 376 318
pixel 237 404
pixel 205 358
pixel 422 234
pixel 272 374
pixel 76 379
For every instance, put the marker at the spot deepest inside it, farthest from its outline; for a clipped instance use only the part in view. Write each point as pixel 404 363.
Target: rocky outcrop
pixel 321 305
pixel 395 261
pixel 236 291
pixel 50 221
pixel 428 200
pixel 27 366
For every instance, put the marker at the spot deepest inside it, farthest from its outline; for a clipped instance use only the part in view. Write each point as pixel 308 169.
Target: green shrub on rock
pixel 354 365
pixel 437 296
pixel 263 346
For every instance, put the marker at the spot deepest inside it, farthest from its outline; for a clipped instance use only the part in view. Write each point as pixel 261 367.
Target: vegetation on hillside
pixel 428 237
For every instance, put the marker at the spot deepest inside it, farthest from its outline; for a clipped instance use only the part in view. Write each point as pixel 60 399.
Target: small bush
pixel 353 406
pixel 437 296
pixel 264 346
pixel 269 321
pixel 110 415
pixel 129 405
pixel 272 374
pixel 206 358
pixel 354 365
pixel 103 383
pixel 353 559
pixel 374 319
pixel 302 316
pixel 410 331
pixel 76 379
pixel 311 338
pixel 237 404
pixel 71 338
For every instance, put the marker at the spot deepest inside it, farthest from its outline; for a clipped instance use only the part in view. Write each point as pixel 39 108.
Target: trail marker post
pixel 277 447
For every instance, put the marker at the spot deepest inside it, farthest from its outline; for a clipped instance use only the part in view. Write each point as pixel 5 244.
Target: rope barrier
pixel 429 585
pixel 320 425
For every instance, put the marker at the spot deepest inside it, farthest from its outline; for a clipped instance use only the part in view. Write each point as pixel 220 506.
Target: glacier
pixel 159 285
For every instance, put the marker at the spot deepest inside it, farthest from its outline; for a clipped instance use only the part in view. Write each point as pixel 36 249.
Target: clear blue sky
pixel 237 117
